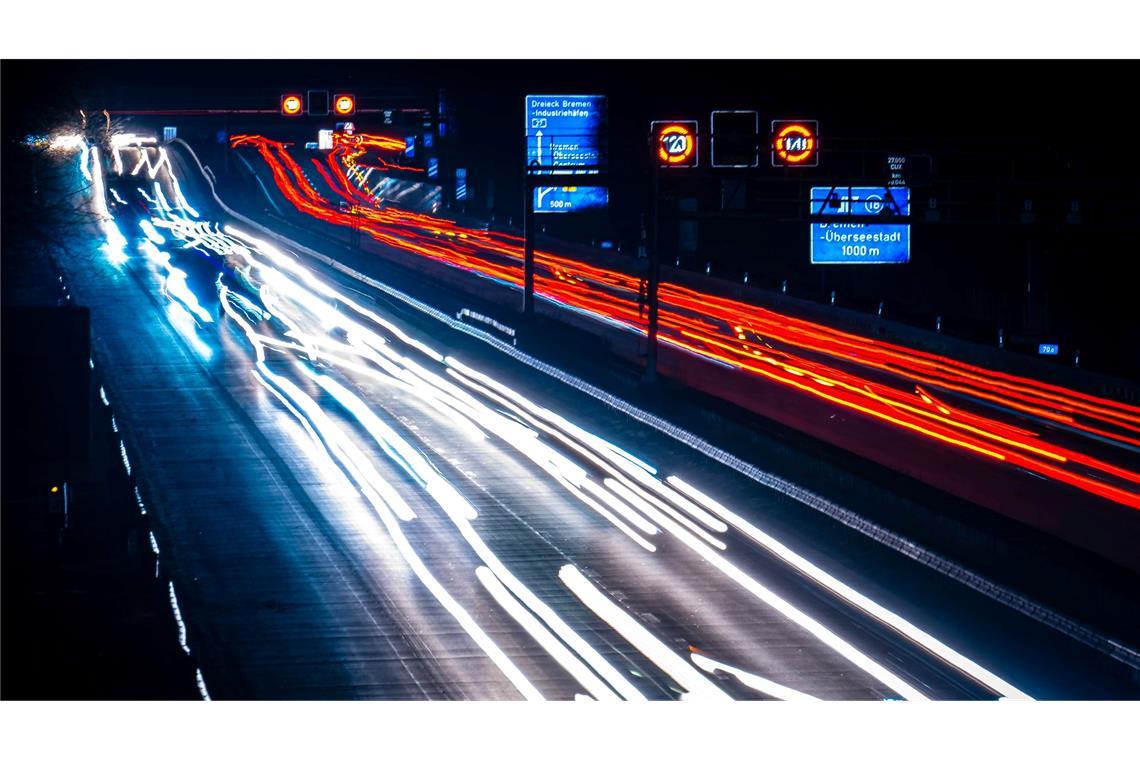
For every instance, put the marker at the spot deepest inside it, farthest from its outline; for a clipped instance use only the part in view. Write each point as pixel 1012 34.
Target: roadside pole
pixel 653 279
pixel 528 244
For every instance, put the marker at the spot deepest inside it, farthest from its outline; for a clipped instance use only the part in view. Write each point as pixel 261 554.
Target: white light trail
pixel 752 681
pixel 686 676
pixel 850 595
pixel 555 648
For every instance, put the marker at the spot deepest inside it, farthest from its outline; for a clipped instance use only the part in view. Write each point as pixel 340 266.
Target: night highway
pixel 416 381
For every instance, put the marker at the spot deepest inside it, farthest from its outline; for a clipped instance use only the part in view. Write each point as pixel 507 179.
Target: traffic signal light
pixel 675 144
pixel 795 143
pixel 344 104
pixel 291 104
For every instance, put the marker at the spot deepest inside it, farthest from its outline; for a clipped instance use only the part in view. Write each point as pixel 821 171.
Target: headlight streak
pixel 321 422
pixel 150 232
pixel 555 648
pixel 792 613
pixel 462 513
pixel 183 322
pixel 177 287
pixel 751 680
pixel 151 167
pixel 850 595
pixel 84 166
pixel 628 467
pixel 398 450
pixel 616 466
pixel 360 343
pixel 67 142
pixel 686 676
pixel 375 488
pixel 655 515
pixel 811 625
pixel 454 504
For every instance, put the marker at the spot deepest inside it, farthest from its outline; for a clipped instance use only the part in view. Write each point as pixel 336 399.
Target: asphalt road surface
pixel 361 501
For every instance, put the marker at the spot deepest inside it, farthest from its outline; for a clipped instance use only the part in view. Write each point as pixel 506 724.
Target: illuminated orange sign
pixel 291 104
pixel 795 143
pixel 344 105
pixel 675 143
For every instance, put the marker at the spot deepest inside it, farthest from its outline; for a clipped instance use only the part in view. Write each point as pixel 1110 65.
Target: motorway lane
pixel 541 530
pixel 932 599
pixel 522 491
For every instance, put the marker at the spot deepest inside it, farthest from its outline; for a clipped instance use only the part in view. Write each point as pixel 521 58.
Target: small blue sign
pixel 429 139
pixel 860 242
pixel 410 146
pixel 565 131
pixel 460 184
pixel 564 200
pixel 169 133
pixel 1048 349
pixel 433 168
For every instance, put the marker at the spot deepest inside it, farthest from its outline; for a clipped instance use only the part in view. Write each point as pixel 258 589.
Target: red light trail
pixel 795 353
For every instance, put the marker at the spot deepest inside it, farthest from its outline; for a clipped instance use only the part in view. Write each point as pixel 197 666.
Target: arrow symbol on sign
pixel 538 136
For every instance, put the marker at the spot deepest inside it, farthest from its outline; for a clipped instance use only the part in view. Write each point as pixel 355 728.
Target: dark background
pixel 997 133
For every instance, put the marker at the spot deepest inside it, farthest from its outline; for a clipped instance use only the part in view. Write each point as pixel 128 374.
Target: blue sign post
pixel 564 200
pixel 566 131
pixel 860 242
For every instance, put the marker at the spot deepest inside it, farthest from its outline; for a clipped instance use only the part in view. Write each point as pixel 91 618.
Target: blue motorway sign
pixel 565 130
pixel 1048 349
pixel 859 242
pixel 564 200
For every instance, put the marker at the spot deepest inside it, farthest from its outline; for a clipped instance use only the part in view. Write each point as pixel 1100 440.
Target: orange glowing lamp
pixel 291 105
pixel 344 104
pixel 795 143
pixel 675 143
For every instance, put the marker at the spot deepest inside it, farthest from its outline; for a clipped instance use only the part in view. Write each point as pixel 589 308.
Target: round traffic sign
pixel 675 144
